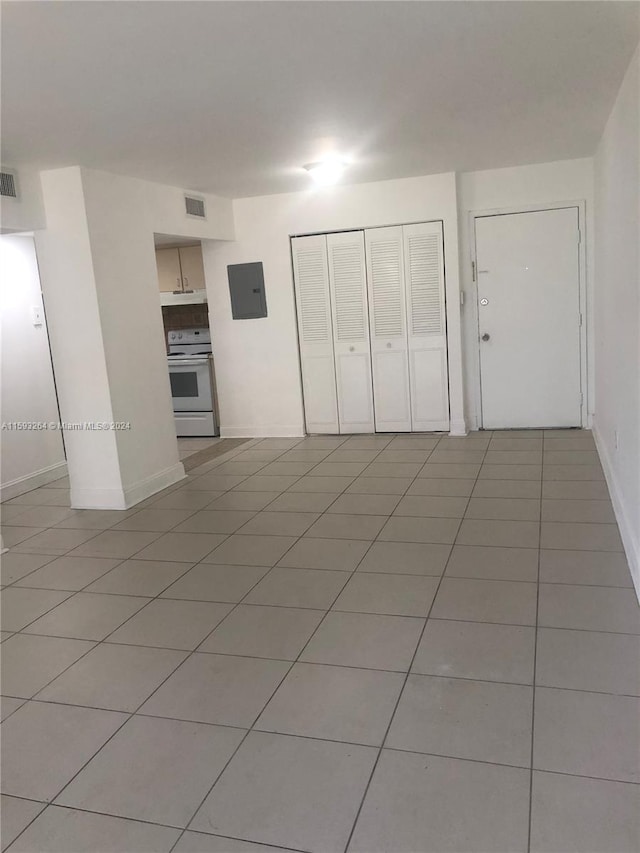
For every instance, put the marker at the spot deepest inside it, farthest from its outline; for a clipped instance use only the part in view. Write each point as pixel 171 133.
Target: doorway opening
pixel 188 342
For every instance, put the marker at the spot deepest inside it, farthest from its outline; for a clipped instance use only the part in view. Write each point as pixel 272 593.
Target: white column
pixel 99 282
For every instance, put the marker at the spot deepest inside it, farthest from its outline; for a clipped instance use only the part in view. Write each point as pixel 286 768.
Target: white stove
pixel 190 359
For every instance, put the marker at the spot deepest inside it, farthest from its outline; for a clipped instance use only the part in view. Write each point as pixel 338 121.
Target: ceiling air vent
pixel 8 184
pixel 195 207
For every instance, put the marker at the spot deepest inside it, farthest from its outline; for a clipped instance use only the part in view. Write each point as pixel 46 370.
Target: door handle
pixel 486 336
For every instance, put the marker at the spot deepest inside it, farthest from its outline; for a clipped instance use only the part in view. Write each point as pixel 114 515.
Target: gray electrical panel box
pixel 246 288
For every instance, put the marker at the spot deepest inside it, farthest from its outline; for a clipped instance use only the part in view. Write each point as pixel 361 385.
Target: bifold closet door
pixel 313 304
pixel 348 288
pixel 388 329
pixel 373 340
pixel 426 326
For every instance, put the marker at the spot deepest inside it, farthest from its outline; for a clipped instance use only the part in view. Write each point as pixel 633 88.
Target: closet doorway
pixel 372 329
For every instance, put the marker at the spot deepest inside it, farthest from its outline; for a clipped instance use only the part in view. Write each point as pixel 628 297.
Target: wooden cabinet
pixel 180 269
pixel 169 273
pixel 192 268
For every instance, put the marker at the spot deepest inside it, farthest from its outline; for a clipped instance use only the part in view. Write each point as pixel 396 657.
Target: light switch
pixel 38 315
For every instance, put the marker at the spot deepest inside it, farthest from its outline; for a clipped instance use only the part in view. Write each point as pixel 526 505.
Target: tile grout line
pixel 401 691
pixel 85 589
pixel 535 656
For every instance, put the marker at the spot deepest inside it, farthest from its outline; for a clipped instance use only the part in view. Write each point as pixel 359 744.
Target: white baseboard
pixel 257 431
pixel 32 481
pixel 131 495
pixel 628 531
pixel 457 428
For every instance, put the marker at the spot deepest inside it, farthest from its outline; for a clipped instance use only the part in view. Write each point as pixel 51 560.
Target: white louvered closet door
pixel 426 326
pixel 388 331
pixel 347 281
pixel 311 275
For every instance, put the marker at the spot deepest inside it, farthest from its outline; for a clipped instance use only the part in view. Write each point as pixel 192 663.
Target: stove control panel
pixel 189 336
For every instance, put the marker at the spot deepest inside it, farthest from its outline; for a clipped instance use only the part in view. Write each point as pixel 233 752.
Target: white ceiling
pixel 234 97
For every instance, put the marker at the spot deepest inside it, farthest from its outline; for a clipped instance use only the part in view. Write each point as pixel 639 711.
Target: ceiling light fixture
pixel 328 172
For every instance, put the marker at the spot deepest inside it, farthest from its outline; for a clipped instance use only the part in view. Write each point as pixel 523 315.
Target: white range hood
pixel 179 298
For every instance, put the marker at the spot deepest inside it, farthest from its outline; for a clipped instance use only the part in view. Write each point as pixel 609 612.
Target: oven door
pixel 191 384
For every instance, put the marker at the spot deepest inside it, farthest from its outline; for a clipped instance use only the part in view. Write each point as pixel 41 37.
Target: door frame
pixel 580 204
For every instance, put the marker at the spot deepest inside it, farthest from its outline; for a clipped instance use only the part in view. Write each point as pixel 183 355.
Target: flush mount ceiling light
pixel 327 172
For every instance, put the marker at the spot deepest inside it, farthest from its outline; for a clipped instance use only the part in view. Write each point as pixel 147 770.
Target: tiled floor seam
pixel 535 654
pixel 336 610
pixel 395 708
pixel 18 585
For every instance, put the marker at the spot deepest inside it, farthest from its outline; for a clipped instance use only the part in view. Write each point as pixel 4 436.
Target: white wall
pixel 28 458
pixel 513 188
pixel 617 298
pixel 257 361
pixel 26 212
pixel 100 283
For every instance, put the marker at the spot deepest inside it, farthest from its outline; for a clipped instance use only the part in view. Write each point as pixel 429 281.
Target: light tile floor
pixel 189 446
pixel 410 644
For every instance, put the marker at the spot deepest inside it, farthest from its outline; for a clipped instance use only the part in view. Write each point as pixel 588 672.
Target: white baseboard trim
pixel 627 530
pixel 458 428
pixel 32 481
pixel 257 431
pixel 145 488
pixel 131 495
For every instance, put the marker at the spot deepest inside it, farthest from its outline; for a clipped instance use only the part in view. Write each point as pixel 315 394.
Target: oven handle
pixel 185 362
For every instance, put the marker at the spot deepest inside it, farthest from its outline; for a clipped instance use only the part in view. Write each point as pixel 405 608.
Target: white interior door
pixel 347 282
pixel 529 318
pixel 388 332
pixel 313 304
pixel 427 326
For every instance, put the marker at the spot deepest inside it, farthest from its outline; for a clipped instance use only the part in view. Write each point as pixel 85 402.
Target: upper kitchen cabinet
pixel 192 268
pixel 181 275
pixel 169 272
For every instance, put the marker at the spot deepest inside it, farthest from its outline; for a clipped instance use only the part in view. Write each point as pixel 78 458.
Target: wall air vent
pixel 195 207
pixel 8 184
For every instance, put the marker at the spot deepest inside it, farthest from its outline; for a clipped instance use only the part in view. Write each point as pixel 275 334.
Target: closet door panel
pixel 313 305
pixel 426 326
pixel 430 400
pixel 347 282
pixel 387 318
